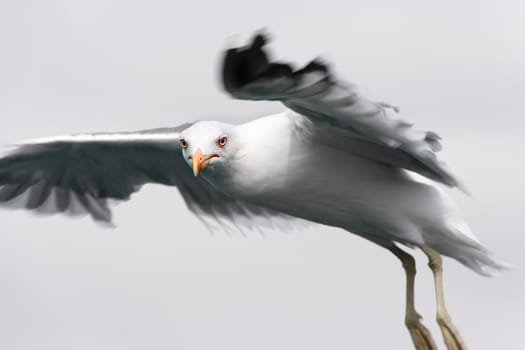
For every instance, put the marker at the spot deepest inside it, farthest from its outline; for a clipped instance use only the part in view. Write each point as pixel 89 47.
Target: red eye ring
pixel 183 143
pixel 221 142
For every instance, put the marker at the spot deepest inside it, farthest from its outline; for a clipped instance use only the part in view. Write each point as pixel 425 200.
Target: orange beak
pixel 200 161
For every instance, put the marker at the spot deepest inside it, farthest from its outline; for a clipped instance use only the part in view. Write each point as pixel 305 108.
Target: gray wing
pixel 337 113
pixel 78 174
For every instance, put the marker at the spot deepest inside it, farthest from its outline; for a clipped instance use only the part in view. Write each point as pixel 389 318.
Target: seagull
pixel 332 157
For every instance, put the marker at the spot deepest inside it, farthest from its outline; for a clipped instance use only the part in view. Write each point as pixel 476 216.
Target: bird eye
pixel 183 143
pixel 221 142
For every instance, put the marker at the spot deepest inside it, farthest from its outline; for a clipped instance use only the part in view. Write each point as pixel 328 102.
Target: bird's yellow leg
pixel 450 333
pixel 421 336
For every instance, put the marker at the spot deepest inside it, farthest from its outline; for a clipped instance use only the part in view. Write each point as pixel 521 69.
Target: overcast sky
pixel 160 280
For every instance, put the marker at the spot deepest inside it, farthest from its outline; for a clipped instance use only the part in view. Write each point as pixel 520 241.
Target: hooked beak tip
pixel 200 161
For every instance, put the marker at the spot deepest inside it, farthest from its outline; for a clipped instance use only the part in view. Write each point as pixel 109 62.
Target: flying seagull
pixel 333 157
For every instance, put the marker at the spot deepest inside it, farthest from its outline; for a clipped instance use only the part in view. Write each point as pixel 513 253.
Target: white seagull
pixel 334 157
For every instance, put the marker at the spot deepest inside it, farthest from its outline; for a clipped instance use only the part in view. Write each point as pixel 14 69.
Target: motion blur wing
pixel 78 174
pixel 337 114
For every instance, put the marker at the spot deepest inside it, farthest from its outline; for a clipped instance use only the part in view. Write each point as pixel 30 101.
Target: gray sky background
pixel 160 280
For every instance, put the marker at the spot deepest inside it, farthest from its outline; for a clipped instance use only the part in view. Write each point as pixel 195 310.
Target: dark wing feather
pixel 78 174
pixel 338 114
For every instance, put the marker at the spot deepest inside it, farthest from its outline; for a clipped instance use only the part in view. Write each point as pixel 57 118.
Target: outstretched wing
pixel 78 174
pixel 338 114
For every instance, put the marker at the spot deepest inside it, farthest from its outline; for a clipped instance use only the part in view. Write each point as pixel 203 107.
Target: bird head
pixel 207 145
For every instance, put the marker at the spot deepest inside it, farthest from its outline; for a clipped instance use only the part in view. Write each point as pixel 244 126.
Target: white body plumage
pixel 278 165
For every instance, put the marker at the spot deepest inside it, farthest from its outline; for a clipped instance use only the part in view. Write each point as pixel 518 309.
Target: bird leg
pixel 450 333
pixel 421 336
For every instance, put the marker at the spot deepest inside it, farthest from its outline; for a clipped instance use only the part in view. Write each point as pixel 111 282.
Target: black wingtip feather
pixel 244 65
pixel 259 40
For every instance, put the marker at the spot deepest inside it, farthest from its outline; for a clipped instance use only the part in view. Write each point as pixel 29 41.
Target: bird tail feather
pixel 467 251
